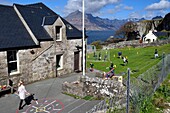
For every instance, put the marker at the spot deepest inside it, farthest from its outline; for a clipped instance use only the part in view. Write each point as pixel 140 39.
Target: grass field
pixel 140 59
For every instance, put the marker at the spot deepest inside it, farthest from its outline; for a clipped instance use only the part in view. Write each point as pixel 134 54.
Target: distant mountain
pixel 157 17
pixel 135 19
pixel 95 23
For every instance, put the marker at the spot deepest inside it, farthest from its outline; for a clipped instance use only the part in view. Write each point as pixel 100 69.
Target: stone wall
pixel 135 43
pixel 39 63
pixel 3 65
pixel 3 68
pixel 95 87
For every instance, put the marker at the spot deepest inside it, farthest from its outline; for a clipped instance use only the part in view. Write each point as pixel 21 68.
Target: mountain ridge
pixel 94 23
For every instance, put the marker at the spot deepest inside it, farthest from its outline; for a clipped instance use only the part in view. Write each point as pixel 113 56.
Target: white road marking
pixel 49 104
pixel 71 103
pixel 78 106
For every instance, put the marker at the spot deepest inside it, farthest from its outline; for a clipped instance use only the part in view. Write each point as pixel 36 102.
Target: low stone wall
pixel 135 43
pixel 95 87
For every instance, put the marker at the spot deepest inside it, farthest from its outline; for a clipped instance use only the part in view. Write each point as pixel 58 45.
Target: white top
pixel 124 59
pixel 22 91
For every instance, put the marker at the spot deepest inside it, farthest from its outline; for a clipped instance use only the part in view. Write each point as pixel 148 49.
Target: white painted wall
pixel 150 36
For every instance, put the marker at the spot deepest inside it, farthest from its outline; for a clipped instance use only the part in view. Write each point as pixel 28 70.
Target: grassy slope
pixel 140 59
pixel 156 104
pixel 162 95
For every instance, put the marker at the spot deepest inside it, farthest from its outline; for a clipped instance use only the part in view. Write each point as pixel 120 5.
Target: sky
pixel 112 9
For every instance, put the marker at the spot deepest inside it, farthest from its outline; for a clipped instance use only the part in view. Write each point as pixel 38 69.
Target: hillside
pixel 165 23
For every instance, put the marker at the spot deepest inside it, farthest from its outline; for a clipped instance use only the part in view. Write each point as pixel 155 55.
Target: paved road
pixel 50 98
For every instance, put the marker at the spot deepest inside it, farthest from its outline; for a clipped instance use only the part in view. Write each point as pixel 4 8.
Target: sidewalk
pixel 50 98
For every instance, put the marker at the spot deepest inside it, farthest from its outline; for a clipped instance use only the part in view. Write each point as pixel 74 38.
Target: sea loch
pixel 98 35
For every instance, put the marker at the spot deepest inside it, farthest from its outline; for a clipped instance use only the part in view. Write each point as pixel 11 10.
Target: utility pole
pixel 163 67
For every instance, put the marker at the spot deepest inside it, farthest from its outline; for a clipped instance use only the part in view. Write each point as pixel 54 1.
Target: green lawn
pixel 140 59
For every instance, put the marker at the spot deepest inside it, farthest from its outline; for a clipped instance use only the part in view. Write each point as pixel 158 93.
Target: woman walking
pixel 22 92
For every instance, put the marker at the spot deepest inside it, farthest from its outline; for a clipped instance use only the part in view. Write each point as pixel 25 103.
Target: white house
pixel 150 37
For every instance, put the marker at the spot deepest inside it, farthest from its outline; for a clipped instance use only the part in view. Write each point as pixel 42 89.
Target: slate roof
pixel 49 20
pixel 71 31
pixel 158 34
pixel 34 14
pixel 34 18
pixel 13 34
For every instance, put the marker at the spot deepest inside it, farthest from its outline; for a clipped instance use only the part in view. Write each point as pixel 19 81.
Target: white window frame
pixel 59 34
pixel 17 61
pixel 60 62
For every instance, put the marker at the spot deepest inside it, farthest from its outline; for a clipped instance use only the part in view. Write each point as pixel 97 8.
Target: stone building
pixel 27 47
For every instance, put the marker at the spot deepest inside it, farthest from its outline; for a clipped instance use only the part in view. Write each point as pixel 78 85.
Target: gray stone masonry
pixel 95 87
pixel 135 43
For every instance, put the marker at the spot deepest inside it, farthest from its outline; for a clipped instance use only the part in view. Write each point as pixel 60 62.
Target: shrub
pixel 97 44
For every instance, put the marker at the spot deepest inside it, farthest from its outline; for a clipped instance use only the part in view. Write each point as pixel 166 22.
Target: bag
pixel 29 99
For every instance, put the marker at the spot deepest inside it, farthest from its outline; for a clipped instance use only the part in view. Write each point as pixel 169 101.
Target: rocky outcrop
pixel 165 23
pixel 159 24
pixel 146 25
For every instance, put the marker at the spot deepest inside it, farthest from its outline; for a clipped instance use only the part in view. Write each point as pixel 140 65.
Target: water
pixel 98 35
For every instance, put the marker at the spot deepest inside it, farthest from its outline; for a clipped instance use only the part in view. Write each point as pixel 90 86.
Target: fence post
pixel 128 87
pixel 163 67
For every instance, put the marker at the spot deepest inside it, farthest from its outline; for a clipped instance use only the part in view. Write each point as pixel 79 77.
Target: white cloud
pixel 128 8
pixel 91 6
pixel 163 4
pixel 117 8
pixel 149 15
pixel 135 15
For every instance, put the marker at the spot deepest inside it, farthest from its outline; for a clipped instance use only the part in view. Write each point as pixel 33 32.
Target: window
pixel 58 31
pixel 59 61
pixel 69 27
pixel 12 59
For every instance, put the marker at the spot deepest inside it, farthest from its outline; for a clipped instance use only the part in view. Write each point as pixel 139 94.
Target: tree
pixel 97 44
pixel 128 31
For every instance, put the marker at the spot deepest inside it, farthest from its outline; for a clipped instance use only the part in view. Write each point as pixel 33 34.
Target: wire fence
pixel 140 88
pixel 146 84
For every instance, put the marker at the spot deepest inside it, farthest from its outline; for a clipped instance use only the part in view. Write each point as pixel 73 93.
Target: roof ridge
pixel 28 4
pixel 33 4
pixel 5 5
